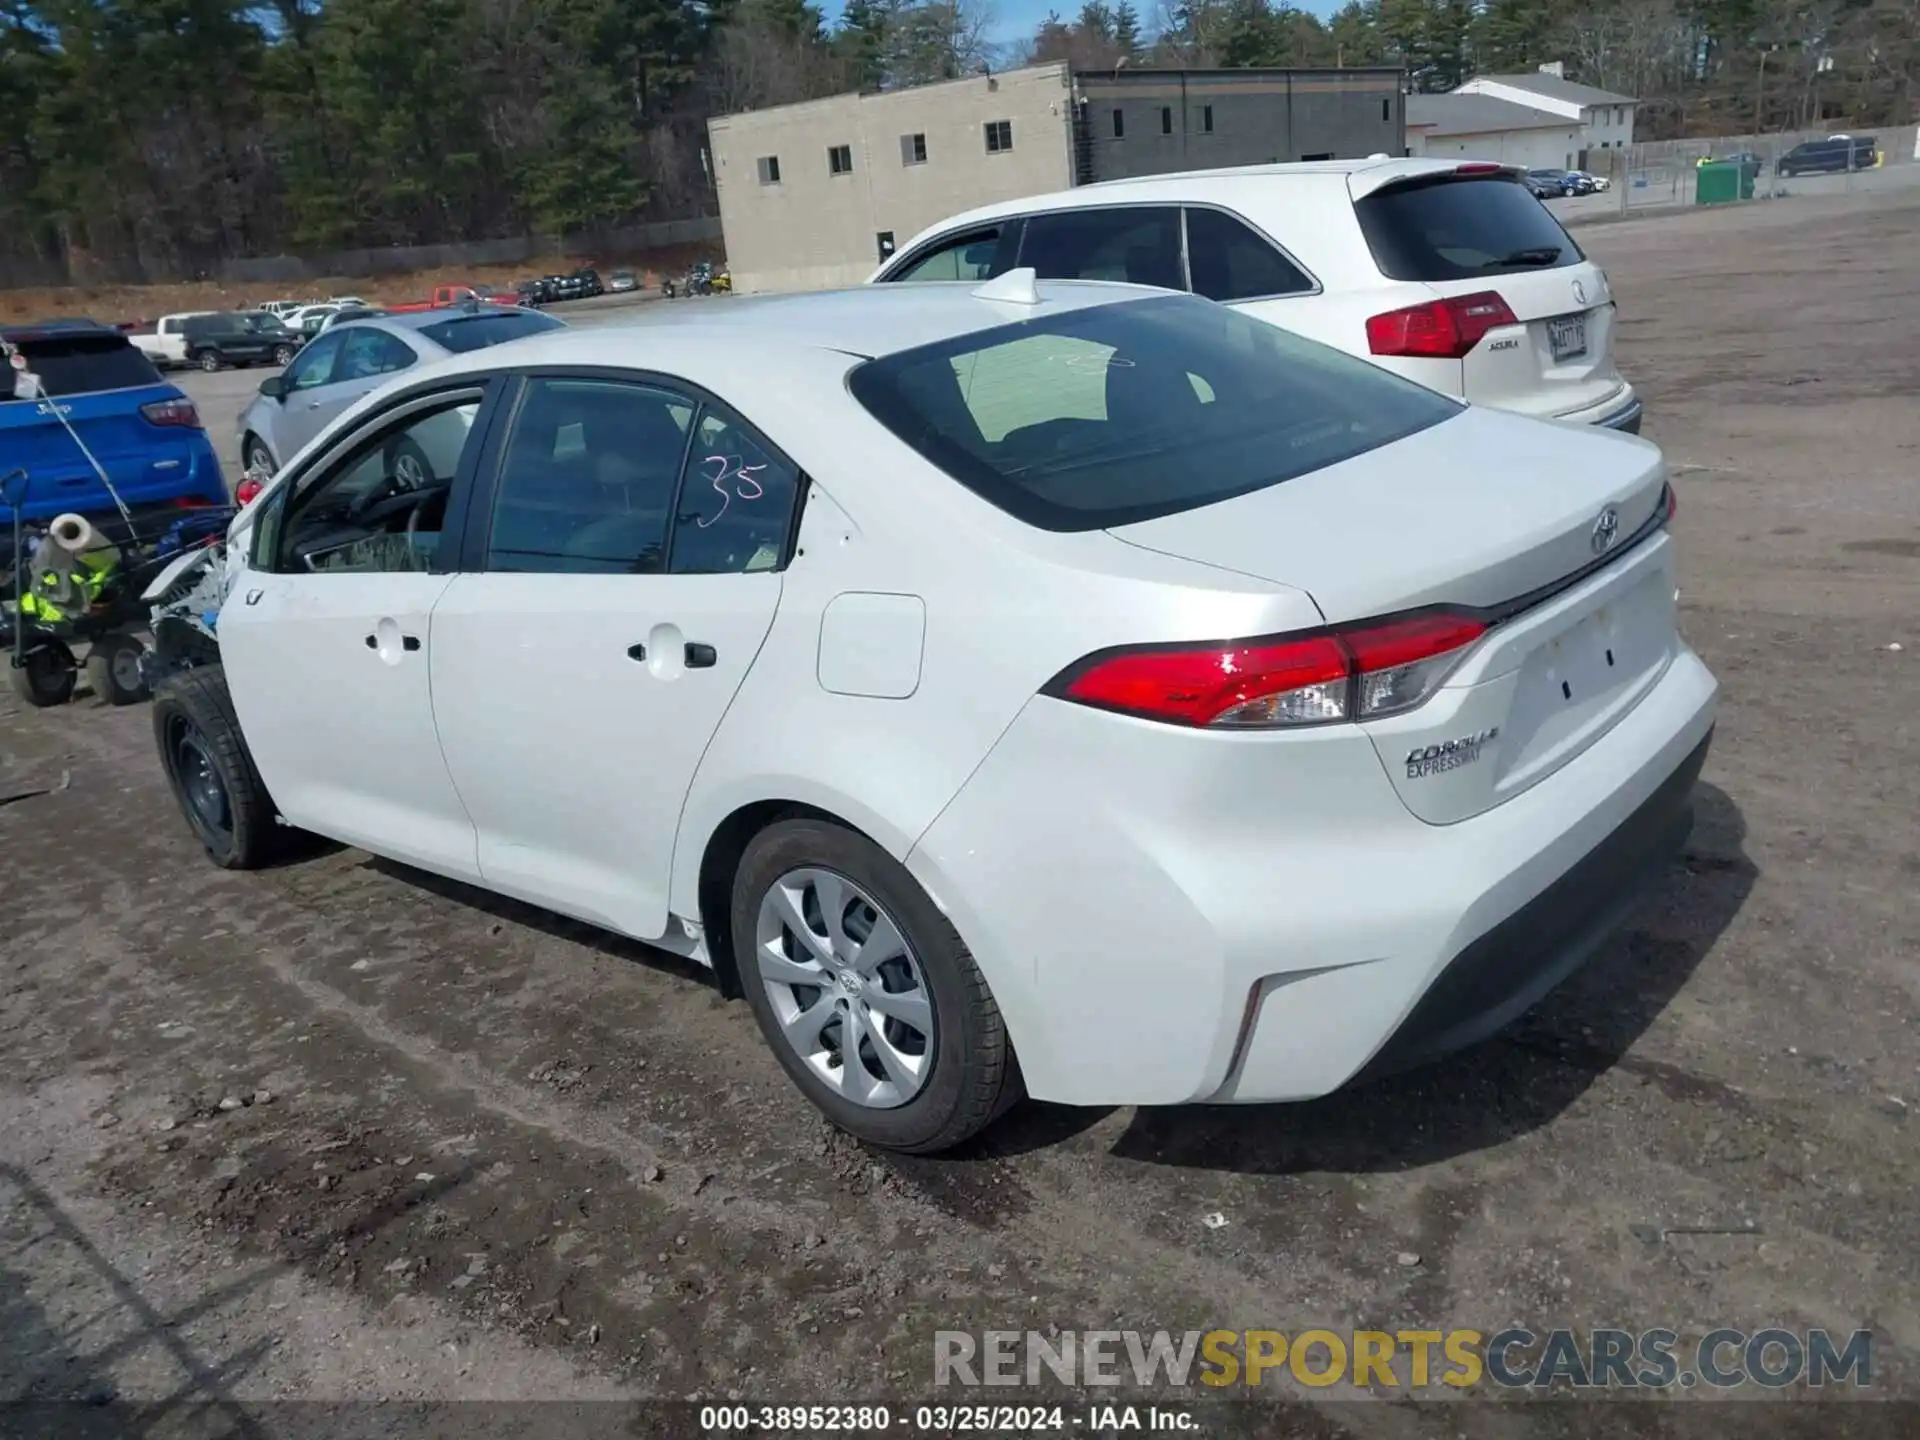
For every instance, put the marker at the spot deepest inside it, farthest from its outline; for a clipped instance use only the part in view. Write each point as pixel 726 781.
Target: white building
pixel 1606 119
pixel 1478 127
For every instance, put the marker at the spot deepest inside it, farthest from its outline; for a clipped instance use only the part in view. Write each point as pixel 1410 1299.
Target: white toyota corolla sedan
pixel 1059 686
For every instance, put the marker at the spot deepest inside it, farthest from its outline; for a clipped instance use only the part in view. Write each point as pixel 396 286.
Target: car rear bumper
pixel 1170 916
pixel 1626 418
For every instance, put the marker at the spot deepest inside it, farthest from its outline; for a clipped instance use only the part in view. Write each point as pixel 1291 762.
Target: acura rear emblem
pixel 1579 293
pixel 1605 529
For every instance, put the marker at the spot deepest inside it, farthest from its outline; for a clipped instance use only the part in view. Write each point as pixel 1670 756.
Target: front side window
pixel 380 508
pixel 973 256
pixel 1138 244
pixel 1228 261
pixel 587 480
pixel 314 365
pixel 999 136
pixel 1118 413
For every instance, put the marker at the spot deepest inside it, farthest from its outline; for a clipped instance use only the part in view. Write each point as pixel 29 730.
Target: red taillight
pixel 1357 672
pixel 178 411
pixel 1441 329
pixel 244 492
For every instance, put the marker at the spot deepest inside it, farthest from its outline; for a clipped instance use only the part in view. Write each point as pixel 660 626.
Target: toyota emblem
pixel 1579 293
pixel 1606 530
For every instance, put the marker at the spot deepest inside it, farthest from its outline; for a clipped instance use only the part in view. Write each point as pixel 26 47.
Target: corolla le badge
pixel 1579 293
pixel 1606 529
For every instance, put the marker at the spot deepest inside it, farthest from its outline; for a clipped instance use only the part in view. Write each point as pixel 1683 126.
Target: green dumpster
pixel 1720 181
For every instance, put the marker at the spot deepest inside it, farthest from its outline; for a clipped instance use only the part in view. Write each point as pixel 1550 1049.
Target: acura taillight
pixel 177 411
pixel 1441 329
pixel 1355 672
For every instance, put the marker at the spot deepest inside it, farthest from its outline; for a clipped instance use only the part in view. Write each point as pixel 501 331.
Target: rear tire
pixel 114 671
pixel 211 770
pixel 208 360
pixel 959 1043
pixel 47 678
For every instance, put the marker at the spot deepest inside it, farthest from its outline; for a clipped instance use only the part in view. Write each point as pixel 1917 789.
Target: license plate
pixel 1568 336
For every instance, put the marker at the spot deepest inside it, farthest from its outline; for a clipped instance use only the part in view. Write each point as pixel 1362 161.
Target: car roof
pixel 1357 177
pixel 54 328
pixel 859 323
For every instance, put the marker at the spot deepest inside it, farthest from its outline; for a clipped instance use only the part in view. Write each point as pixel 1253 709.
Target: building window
pixel 840 159
pixel 884 242
pixel 1119 124
pixel 1386 112
pixel 1328 155
pixel 1166 119
pixel 769 169
pixel 913 149
pixel 1206 119
pixel 999 136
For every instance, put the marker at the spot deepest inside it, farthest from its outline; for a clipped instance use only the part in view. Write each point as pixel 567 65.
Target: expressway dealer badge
pixel 1425 760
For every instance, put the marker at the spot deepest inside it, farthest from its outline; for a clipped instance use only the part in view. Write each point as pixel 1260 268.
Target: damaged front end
pixel 186 598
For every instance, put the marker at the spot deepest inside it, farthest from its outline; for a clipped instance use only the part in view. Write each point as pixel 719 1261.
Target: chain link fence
pixel 1664 174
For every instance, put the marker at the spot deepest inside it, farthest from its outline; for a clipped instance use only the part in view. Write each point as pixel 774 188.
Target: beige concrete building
pixel 818 194
pixel 813 196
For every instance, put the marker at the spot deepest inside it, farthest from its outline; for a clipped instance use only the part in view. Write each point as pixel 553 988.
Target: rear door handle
pixel 700 657
pixel 407 642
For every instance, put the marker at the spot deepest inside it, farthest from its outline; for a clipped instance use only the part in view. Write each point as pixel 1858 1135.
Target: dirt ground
pixel 476 1151
pixel 114 303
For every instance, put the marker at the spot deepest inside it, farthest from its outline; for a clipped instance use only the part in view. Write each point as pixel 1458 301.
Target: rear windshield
pixel 1123 412
pixel 476 332
pixel 1453 229
pixel 79 365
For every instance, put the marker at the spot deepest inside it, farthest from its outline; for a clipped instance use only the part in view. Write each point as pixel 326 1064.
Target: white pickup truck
pixel 166 343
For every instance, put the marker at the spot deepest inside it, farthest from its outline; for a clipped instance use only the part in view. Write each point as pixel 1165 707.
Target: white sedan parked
pixel 1071 672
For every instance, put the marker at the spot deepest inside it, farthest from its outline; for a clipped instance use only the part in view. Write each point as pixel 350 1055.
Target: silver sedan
pixel 353 358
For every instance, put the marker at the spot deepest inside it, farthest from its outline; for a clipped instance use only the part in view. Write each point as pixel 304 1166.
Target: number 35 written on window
pixel 728 478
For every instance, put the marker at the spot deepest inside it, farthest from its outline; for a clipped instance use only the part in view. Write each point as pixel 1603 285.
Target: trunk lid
pixel 1524 522
pixel 1476 231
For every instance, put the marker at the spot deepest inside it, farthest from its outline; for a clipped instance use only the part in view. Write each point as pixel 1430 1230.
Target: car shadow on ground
pixel 1513 1083
pixel 547 922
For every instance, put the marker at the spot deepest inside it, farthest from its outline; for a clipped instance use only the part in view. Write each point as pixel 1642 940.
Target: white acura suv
pixel 1070 686
pixel 1447 272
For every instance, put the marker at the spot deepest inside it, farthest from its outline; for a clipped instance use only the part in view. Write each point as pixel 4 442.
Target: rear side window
pixel 1454 229
pixel 1139 244
pixel 1228 261
pixel 476 332
pixel 79 365
pixel 1119 413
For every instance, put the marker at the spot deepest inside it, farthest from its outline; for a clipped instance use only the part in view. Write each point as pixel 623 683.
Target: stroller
pixel 72 583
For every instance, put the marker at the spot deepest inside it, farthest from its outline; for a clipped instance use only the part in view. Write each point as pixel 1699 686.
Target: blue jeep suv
pixel 94 385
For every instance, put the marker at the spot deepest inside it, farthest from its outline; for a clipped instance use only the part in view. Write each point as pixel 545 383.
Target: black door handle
pixel 700 657
pixel 636 652
pixel 407 642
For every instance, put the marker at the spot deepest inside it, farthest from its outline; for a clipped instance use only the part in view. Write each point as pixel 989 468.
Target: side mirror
pixel 274 386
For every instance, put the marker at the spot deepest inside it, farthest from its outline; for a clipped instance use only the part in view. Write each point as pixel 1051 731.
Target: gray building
pixel 815 195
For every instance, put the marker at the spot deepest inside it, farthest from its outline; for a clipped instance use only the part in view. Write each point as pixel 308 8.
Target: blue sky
pixel 1018 19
